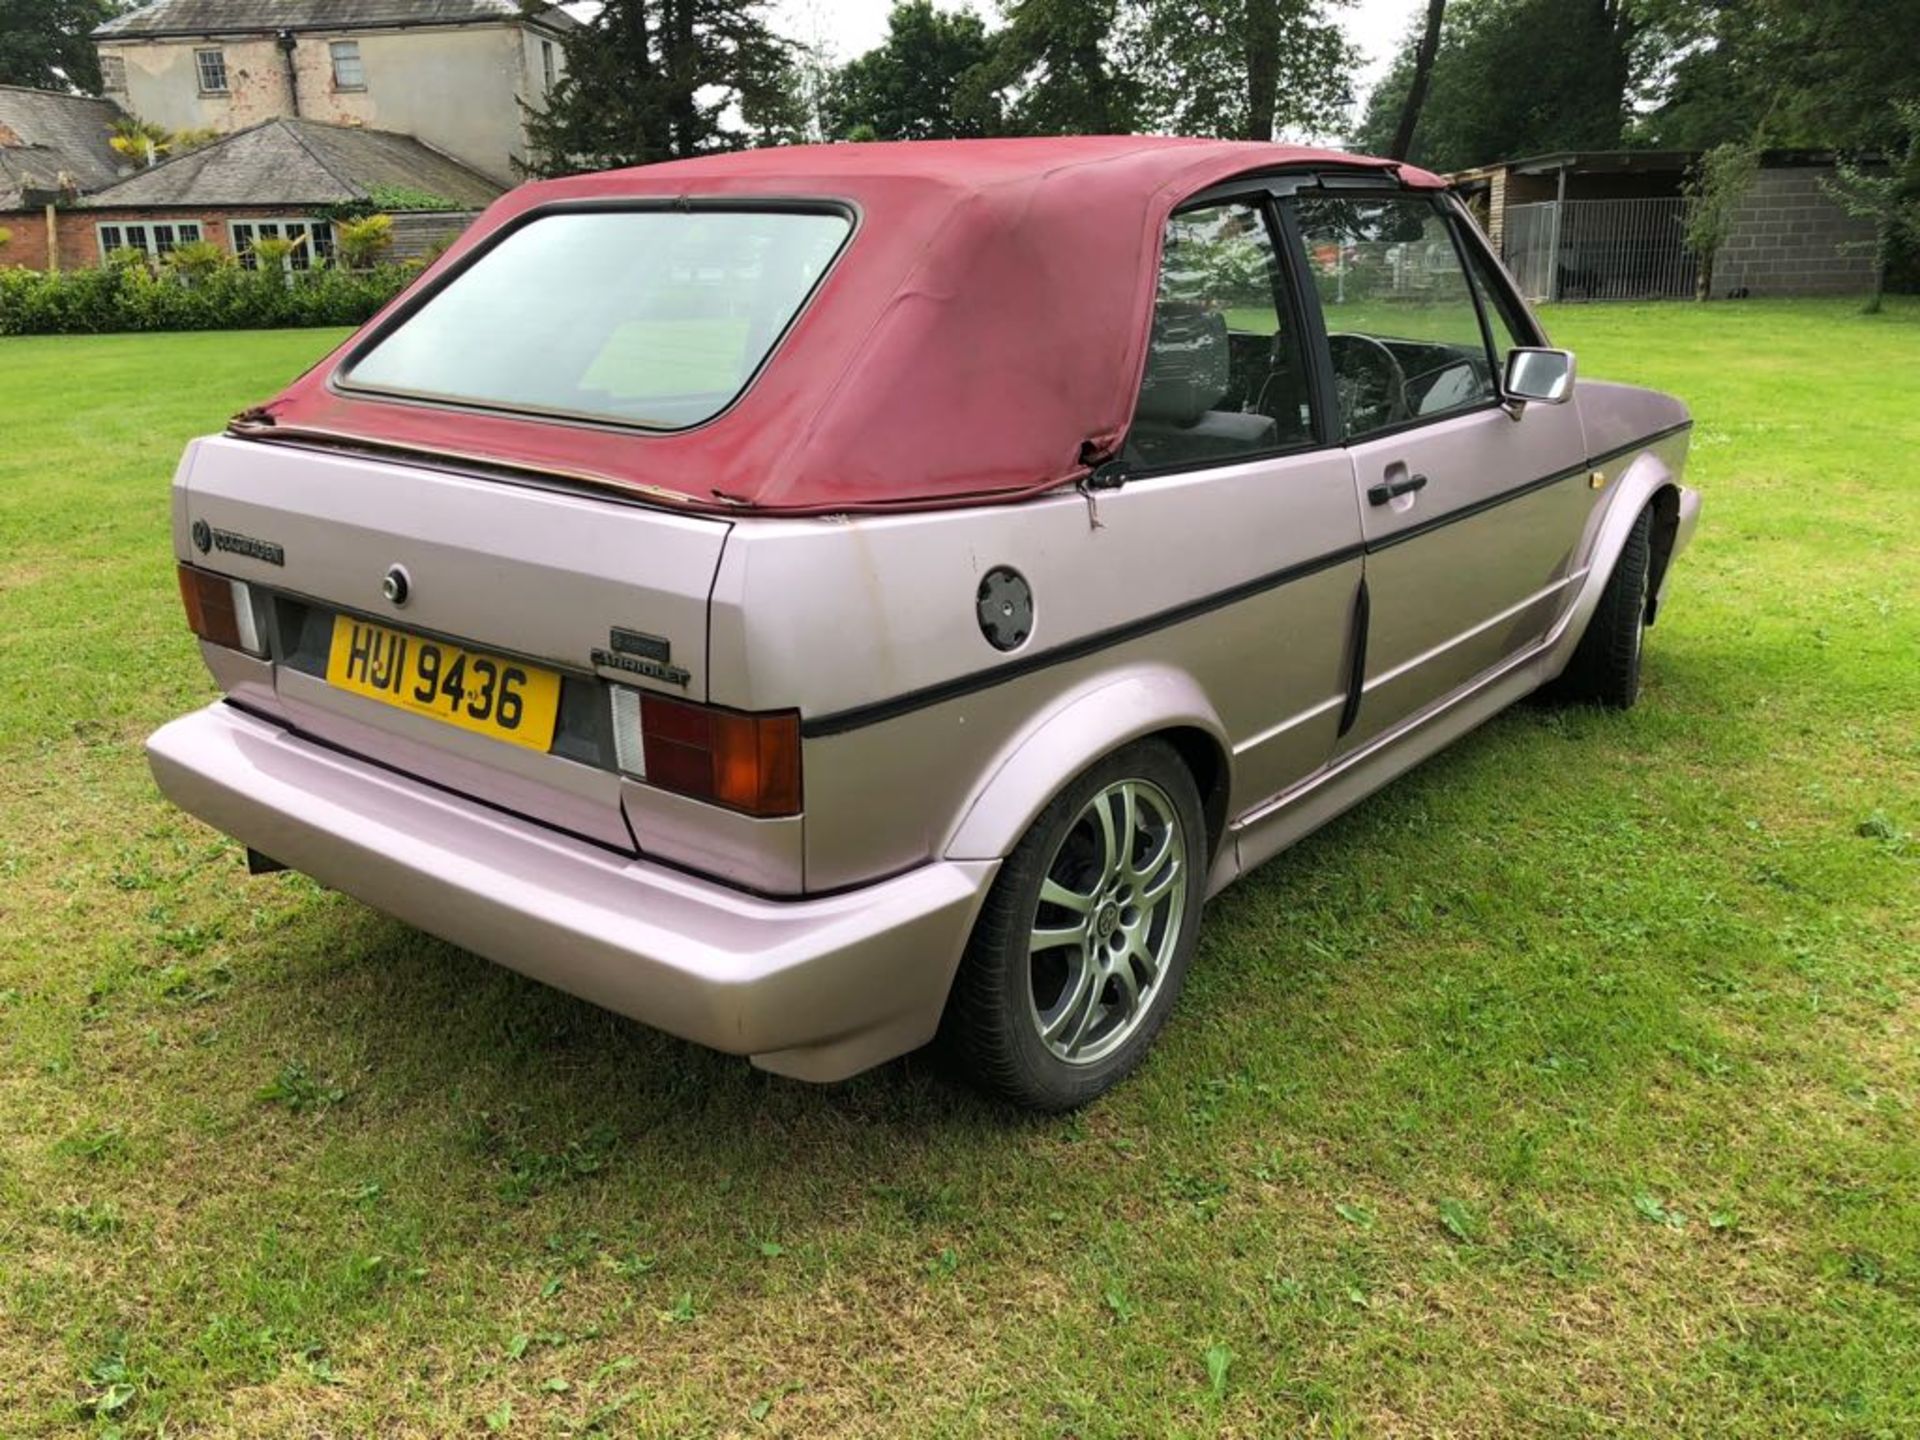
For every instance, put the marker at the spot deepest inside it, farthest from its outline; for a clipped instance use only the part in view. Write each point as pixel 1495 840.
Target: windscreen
pixel 655 318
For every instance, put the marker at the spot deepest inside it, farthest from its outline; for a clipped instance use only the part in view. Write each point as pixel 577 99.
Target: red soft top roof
pixel 981 337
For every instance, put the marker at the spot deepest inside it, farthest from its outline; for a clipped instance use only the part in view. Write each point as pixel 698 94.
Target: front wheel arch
pixel 1665 504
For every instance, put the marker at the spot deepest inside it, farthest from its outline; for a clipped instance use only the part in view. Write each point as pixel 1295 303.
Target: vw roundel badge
pixel 1004 603
pixel 202 536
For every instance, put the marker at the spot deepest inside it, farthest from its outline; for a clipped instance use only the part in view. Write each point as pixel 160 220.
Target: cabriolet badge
pixel 639 653
pixel 231 542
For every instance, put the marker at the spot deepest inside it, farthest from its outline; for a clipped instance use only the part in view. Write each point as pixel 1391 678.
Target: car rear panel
pixel 543 578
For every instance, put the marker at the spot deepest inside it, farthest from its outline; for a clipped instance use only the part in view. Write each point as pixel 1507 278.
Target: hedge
pixel 130 297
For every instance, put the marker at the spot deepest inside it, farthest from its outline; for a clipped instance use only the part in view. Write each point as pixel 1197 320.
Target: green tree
pixel 1515 77
pixel 655 80
pixel 141 141
pixel 1813 74
pixel 46 44
pixel 1242 69
pixel 195 260
pixel 1888 196
pixel 1425 51
pixel 1716 185
pixel 1057 67
pixel 788 105
pixel 365 242
pixel 928 80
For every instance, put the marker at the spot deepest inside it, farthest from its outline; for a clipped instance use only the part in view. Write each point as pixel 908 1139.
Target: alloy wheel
pixel 1108 922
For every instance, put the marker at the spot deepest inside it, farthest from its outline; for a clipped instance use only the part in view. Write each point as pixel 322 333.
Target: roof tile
pixel 299 162
pixel 45 136
pixel 227 17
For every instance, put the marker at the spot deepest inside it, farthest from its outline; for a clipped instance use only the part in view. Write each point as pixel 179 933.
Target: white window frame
pixel 143 235
pixel 316 255
pixel 113 74
pixel 549 67
pixel 347 50
pixel 200 67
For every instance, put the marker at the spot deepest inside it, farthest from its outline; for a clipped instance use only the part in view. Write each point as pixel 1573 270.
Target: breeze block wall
pixel 1790 237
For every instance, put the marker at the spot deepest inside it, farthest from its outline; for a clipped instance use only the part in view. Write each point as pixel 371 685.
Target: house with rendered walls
pixel 456 74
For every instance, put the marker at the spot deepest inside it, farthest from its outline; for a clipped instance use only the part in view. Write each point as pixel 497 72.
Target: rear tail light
pixel 749 763
pixel 220 610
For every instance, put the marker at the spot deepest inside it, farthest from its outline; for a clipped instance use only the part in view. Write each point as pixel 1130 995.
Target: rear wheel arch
pixel 1080 733
pixel 1006 1014
pixel 1206 759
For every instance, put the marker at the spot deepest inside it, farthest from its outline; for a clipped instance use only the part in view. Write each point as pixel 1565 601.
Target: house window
pixel 212 66
pixel 547 74
pixel 312 241
pixel 113 74
pixel 155 239
pixel 348 73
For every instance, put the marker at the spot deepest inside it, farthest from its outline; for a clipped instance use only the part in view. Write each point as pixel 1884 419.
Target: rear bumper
pixel 818 989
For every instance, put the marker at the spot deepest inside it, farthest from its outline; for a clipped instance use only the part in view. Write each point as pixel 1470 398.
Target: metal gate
pixel 1600 250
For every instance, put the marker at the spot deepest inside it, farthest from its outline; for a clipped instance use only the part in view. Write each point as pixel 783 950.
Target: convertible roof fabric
pixel 981 337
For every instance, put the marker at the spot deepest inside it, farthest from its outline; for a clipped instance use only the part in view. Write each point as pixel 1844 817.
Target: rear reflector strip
pixel 629 749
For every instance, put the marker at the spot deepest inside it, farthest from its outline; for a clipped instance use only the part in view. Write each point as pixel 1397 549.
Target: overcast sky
pixel 848 27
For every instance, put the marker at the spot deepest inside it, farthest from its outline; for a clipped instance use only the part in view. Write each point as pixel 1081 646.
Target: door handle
pixel 1387 489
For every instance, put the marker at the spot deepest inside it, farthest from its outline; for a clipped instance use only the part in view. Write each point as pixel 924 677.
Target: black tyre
pixel 1605 668
pixel 1083 942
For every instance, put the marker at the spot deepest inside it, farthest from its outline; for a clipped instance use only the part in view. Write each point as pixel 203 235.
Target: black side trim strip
pixel 1595 461
pixel 1467 512
pixel 1357 665
pixel 841 721
pixel 1493 502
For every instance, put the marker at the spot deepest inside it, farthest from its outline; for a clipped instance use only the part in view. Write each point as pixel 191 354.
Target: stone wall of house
pixel 460 88
pixel 1790 238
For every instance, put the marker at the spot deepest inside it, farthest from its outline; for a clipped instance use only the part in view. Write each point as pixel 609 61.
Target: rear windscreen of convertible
pixel 655 318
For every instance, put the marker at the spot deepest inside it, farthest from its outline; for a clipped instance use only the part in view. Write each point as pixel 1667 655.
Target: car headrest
pixel 1186 364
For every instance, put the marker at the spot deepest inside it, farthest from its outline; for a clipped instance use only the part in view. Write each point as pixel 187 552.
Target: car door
pixel 1253 505
pixel 1471 511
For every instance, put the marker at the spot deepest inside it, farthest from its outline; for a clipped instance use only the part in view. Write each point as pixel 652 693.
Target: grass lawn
pixel 1571 1086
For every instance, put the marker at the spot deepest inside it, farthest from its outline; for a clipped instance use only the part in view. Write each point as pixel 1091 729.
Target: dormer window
pixel 348 72
pixel 212 68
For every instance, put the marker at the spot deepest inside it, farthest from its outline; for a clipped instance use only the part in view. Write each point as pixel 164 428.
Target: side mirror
pixel 1542 375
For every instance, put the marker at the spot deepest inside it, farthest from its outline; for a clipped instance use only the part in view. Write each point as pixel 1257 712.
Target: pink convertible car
pixel 820 600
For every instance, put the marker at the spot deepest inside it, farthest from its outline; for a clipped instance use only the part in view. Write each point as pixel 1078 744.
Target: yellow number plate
pixel 488 694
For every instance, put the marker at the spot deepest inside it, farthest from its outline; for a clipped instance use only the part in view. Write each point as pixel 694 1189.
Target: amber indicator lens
pixel 219 610
pixel 747 762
